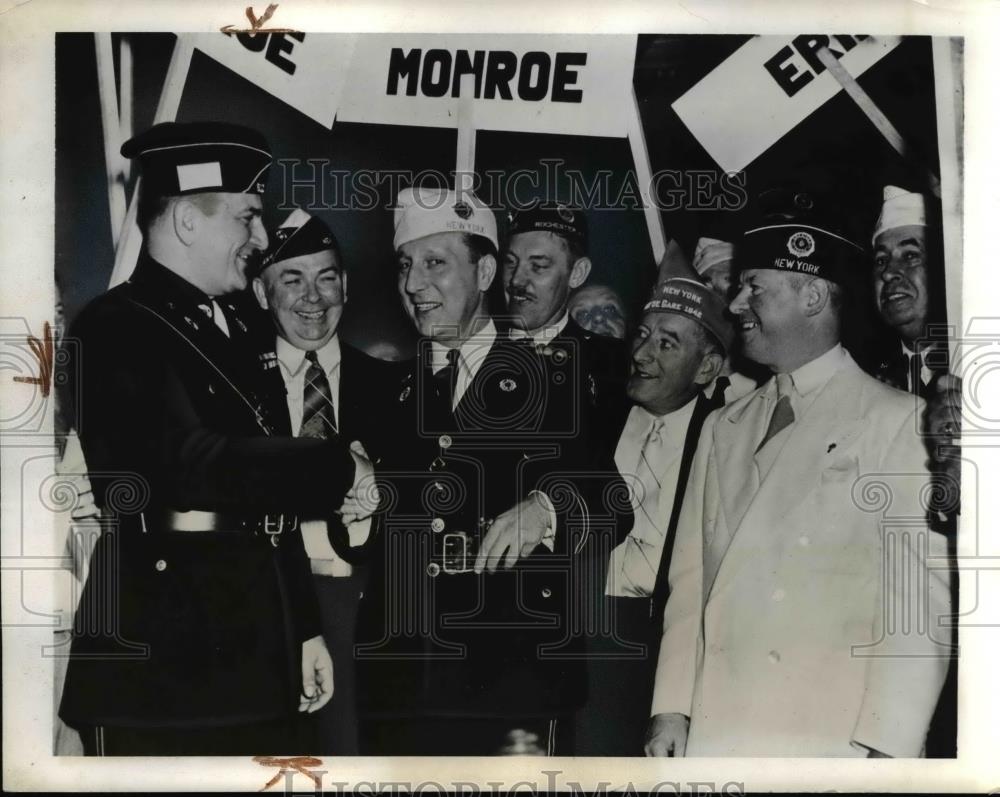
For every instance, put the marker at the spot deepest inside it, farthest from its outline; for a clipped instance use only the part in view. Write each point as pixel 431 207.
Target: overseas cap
pixel 900 208
pixel 801 248
pixel 551 216
pixel 426 211
pixel 299 234
pixel 690 298
pixel 797 232
pixel 711 252
pixel 197 157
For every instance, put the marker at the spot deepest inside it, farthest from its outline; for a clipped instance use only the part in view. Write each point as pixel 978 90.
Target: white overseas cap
pixel 900 208
pixel 425 211
pixel 711 252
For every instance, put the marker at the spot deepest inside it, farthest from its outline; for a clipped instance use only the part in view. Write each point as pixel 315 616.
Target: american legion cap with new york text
pixel 694 300
pixel 299 234
pixel 551 216
pixel 426 211
pixel 796 233
pixel 179 158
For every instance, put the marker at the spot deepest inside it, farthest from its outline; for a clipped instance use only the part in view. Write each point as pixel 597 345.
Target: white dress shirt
pixel 471 356
pixel 926 374
pixel 292 362
pixel 633 565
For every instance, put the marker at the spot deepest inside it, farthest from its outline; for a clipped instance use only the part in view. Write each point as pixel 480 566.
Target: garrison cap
pixel 551 216
pixel 794 232
pixel 299 234
pixel 711 252
pixel 425 211
pixel 900 208
pixel 690 298
pixel 179 158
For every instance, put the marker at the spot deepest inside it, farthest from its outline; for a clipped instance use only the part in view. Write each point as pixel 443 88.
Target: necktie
pixel 783 415
pixel 915 366
pixel 317 402
pixel 641 556
pixel 718 398
pixel 447 378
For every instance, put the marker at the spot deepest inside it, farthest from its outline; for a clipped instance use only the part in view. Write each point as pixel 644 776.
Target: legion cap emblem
pixel 801 244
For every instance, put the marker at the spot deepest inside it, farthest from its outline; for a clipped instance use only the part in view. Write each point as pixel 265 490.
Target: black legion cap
pixel 551 216
pixel 793 231
pixel 299 234
pixel 179 158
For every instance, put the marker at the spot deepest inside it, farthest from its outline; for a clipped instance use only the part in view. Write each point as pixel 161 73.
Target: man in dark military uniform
pixel 197 631
pixel 466 637
pixel 544 261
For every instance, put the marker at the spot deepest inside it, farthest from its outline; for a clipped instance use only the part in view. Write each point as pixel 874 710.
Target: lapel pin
pixel 405 394
pixel 507 385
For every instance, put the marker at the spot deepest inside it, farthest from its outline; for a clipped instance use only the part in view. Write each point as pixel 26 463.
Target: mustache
pixel 519 293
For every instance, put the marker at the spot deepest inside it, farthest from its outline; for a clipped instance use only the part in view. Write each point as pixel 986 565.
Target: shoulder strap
pixel 661 590
pixel 254 408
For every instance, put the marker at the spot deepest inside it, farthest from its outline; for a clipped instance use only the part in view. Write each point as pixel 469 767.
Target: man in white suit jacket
pixel 805 588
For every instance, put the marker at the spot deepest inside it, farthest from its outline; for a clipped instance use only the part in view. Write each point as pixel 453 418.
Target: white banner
pixel 307 71
pixel 579 85
pixel 764 89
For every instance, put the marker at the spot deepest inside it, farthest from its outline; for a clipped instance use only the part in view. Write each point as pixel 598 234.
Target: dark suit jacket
pixel 458 644
pixel 180 628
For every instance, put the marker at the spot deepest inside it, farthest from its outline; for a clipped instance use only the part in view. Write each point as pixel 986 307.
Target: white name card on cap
pixel 764 89
pixel 571 84
pixel 192 176
pixel 306 71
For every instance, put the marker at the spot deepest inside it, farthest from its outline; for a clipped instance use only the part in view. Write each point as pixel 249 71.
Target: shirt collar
pixel 470 351
pixel 816 373
pixel 922 353
pixel 675 422
pixel 292 358
pixel 546 334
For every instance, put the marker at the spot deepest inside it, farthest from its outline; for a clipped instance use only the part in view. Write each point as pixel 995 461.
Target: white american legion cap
pixel 711 252
pixel 426 211
pixel 900 208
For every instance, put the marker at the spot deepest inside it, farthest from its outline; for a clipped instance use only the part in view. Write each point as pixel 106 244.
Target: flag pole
pixel 873 112
pixel 130 242
pixel 465 151
pixel 644 174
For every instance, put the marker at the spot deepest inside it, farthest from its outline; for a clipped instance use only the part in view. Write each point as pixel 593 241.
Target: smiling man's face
pixel 306 297
pixel 668 354
pixel 900 280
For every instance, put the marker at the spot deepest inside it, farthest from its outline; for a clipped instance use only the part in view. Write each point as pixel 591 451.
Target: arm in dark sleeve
pixel 136 415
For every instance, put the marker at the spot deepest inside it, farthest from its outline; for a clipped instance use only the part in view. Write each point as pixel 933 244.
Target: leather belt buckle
pixel 275 525
pixel 459 555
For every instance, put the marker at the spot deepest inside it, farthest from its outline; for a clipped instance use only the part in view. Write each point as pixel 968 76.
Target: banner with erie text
pixel 768 86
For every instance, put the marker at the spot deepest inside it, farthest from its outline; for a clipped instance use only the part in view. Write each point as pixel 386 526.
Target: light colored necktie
pixel 643 545
pixel 783 414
